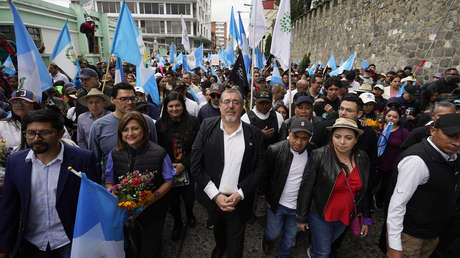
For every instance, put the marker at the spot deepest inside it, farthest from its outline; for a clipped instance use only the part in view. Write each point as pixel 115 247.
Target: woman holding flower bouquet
pixel 146 173
pixel 177 130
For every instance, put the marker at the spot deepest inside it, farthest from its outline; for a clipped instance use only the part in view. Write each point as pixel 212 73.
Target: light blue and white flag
pixel 127 44
pixel 172 53
pixel 257 23
pixel 281 40
pixel 346 66
pixel 119 73
pixel 64 54
pixel 229 53
pixel 341 62
pixel 364 64
pixel 198 54
pixel 8 67
pixel 276 76
pixel 312 69
pixel 383 139
pixel 98 230
pixel 331 62
pixel 32 72
pixel 233 30
pixel 259 60
pixel 213 72
pixel 185 41
pixel 245 48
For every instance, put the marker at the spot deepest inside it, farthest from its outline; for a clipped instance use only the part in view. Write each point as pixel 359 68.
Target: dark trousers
pixel 229 230
pixel 28 250
pixel 188 195
pixel 90 38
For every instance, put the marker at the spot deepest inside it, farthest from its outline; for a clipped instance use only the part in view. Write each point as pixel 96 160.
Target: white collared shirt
pixel 263 116
pixel 233 157
pixel 44 225
pixel 412 172
pixel 192 107
pixel 291 188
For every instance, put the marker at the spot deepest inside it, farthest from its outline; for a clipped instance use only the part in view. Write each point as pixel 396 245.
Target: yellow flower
pixel 128 205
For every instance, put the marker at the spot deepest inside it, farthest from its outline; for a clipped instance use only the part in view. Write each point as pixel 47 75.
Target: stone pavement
pixel 199 241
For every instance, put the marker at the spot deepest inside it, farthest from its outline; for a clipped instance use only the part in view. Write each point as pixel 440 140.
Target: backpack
pixel 82 28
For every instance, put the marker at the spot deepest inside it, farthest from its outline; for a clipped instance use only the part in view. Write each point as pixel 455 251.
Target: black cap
pixel 260 79
pixel 411 89
pixel 264 95
pixel 449 124
pixel 86 73
pixel 304 99
pixel 301 125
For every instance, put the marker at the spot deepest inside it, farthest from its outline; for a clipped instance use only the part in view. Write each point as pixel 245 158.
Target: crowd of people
pixel 323 153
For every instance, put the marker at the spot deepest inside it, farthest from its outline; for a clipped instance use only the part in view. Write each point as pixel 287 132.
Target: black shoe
pixel 217 253
pixel 177 231
pixel 267 246
pixel 191 222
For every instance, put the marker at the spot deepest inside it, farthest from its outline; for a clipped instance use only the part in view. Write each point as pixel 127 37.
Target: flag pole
pixel 289 102
pixel 106 72
pixel 252 56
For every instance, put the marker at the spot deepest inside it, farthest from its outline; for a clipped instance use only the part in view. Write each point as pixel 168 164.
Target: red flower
pixel 125 181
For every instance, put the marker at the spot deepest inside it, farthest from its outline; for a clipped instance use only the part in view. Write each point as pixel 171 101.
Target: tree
pixel 298 7
pixel 268 45
pixel 305 63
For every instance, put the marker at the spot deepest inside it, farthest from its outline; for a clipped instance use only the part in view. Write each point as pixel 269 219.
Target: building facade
pixel 160 21
pixel 45 20
pixel 219 35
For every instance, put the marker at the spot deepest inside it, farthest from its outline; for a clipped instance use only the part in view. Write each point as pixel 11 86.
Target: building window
pixel 151 8
pixel 178 9
pixel 156 27
pixel 108 7
pixel 175 27
pixel 132 7
pixel 35 35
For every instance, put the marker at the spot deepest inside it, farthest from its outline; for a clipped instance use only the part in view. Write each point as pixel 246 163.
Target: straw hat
pixel 94 92
pixel 345 123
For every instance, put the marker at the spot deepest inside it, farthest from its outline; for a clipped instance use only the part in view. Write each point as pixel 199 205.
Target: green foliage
pixel 298 7
pixel 304 63
pixel 268 45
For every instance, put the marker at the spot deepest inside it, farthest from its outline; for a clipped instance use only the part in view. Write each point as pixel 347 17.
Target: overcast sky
pixel 220 11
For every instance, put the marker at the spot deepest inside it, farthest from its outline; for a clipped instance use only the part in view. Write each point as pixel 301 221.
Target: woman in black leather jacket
pixel 335 179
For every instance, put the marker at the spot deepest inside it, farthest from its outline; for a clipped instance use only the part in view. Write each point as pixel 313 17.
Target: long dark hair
pixel 332 152
pixel 173 96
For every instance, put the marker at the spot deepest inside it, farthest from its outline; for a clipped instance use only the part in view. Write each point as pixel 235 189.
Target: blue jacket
pixel 16 194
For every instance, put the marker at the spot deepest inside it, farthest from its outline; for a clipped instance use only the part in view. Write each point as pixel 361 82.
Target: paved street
pixel 199 241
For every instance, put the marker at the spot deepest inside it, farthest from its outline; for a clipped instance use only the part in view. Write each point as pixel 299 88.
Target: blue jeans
pixel 283 221
pixel 323 234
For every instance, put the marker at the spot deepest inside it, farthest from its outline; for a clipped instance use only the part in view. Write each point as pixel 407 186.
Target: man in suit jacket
pixel 40 195
pixel 227 163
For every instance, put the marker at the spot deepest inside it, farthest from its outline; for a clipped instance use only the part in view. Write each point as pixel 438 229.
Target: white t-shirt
pixel 291 188
pixel 192 107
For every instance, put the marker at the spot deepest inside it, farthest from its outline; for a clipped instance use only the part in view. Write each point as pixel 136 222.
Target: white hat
pixel 269 78
pixel 139 89
pixel 379 86
pixel 367 97
pixel 158 75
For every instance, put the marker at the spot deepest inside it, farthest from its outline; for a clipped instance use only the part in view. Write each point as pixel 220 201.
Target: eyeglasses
pixel 20 102
pixel 235 102
pixel 126 99
pixel 213 96
pixel 30 134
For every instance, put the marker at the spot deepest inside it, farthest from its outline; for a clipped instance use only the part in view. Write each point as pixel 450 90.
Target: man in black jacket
pixel 423 203
pixel 284 167
pixel 227 163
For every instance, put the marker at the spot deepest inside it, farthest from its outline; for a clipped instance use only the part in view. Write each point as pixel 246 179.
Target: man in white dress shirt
pixel 227 163
pixel 423 203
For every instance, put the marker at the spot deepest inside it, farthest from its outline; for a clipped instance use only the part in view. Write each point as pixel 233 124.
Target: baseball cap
pixel 139 89
pixel 269 78
pixel 264 95
pixel 86 73
pixel 367 97
pixel 216 88
pixel 301 124
pixel 26 95
pixel 411 89
pixel 437 75
pixel 449 124
pixel 379 86
pixel 304 99
pixel 408 78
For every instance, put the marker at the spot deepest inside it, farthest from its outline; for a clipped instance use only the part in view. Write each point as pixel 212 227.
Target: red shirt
pixel 340 204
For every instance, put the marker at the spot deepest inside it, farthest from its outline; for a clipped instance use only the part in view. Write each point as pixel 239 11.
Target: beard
pixel 230 119
pixel 39 147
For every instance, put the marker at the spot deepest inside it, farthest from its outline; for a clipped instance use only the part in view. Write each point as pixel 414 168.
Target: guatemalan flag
pixel 276 76
pixel 119 74
pixel 64 54
pixel 98 230
pixel 8 67
pixel 32 72
pixel 127 44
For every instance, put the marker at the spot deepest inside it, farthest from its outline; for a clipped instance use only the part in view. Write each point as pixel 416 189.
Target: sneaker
pixel 308 252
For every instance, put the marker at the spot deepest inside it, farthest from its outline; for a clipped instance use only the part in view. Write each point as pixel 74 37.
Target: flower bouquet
pixel 135 190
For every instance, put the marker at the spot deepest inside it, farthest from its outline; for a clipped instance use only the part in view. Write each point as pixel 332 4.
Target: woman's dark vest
pixel 149 158
pixel 433 204
pixel 270 122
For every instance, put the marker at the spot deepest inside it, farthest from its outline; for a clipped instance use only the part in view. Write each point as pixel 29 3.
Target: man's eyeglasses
pixel 30 134
pixel 233 101
pixel 126 99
